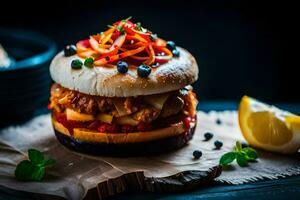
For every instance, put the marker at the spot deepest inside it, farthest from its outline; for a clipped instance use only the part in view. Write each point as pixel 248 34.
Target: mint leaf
pixel 34 168
pixel 227 158
pixel 49 162
pixel 238 146
pixel 37 173
pixel 242 155
pixel 35 156
pixel 24 170
pixel 250 153
pixel 241 160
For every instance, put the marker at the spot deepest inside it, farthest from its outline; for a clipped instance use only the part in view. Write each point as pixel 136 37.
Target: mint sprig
pixel 240 154
pixel 34 168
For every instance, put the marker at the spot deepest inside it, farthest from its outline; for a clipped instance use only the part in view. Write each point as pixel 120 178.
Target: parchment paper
pixel 75 173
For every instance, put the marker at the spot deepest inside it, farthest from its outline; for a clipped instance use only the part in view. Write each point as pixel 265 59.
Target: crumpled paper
pixel 74 174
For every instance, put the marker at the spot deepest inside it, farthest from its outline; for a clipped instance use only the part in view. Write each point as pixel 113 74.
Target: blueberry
pixel 218 121
pixel 122 67
pixel 76 64
pixel 70 50
pixel 175 53
pixel 89 62
pixel 143 70
pixel 197 154
pixel 244 145
pixel 208 136
pixel 171 45
pixel 218 144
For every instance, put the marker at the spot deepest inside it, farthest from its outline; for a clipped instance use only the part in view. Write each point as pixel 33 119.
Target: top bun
pixel 108 82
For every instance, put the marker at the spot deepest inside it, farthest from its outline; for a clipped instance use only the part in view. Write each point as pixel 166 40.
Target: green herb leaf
pixel 49 162
pixel 24 170
pixel 242 155
pixel 153 37
pixel 125 20
pixel 250 153
pixel 34 168
pixel 138 26
pixel 121 29
pixel 35 156
pixel 238 146
pixel 38 173
pixel 227 158
pixel 109 26
pixel 241 160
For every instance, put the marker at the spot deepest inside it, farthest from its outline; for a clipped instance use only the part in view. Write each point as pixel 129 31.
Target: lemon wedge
pixel 268 127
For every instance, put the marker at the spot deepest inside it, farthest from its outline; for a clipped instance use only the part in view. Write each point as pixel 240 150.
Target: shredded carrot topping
pixel 126 41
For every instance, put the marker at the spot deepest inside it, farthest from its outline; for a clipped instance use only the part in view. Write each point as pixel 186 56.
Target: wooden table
pixel 288 188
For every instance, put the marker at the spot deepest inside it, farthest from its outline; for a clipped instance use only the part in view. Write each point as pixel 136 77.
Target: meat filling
pixel 137 108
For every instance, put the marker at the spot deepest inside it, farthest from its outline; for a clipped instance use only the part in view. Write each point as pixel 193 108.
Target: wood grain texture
pixel 137 182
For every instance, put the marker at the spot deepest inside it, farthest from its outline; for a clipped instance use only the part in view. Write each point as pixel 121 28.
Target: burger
pixel 123 92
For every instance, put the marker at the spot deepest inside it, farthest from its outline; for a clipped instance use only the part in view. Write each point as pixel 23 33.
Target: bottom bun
pixel 125 144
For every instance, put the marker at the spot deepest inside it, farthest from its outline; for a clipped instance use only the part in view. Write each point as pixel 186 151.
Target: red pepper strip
pixel 134 45
pixel 136 37
pixel 103 61
pixel 88 53
pixel 164 58
pixel 112 50
pixel 83 45
pixel 140 57
pixel 146 36
pixel 127 25
pixel 151 58
pixel 98 37
pixel 163 49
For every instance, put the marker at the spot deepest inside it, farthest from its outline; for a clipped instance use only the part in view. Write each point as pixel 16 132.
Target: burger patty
pixel 137 107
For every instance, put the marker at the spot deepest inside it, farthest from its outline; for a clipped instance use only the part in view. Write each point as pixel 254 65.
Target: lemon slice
pixel 268 127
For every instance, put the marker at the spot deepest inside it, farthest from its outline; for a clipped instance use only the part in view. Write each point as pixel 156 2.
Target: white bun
pixel 105 81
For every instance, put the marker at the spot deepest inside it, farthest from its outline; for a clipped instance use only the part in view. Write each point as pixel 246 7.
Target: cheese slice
pixel 76 116
pixel 157 100
pixel 126 120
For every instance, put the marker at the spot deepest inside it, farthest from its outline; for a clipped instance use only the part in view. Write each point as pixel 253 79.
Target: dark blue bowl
pixel 24 86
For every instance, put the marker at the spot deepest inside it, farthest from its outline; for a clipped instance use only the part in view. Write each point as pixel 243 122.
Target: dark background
pixel 242 47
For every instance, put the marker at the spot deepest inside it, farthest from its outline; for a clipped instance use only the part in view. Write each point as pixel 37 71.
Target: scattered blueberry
pixel 70 50
pixel 76 64
pixel 197 154
pixel 218 144
pixel 208 136
pixel 175 53
pixel 89 62
pixel 218 121
pixel 143 70
pixel 171 45
pixel 122 67
pixel 244 145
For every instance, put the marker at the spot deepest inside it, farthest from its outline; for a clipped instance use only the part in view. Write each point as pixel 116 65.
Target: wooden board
pixel 136 181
